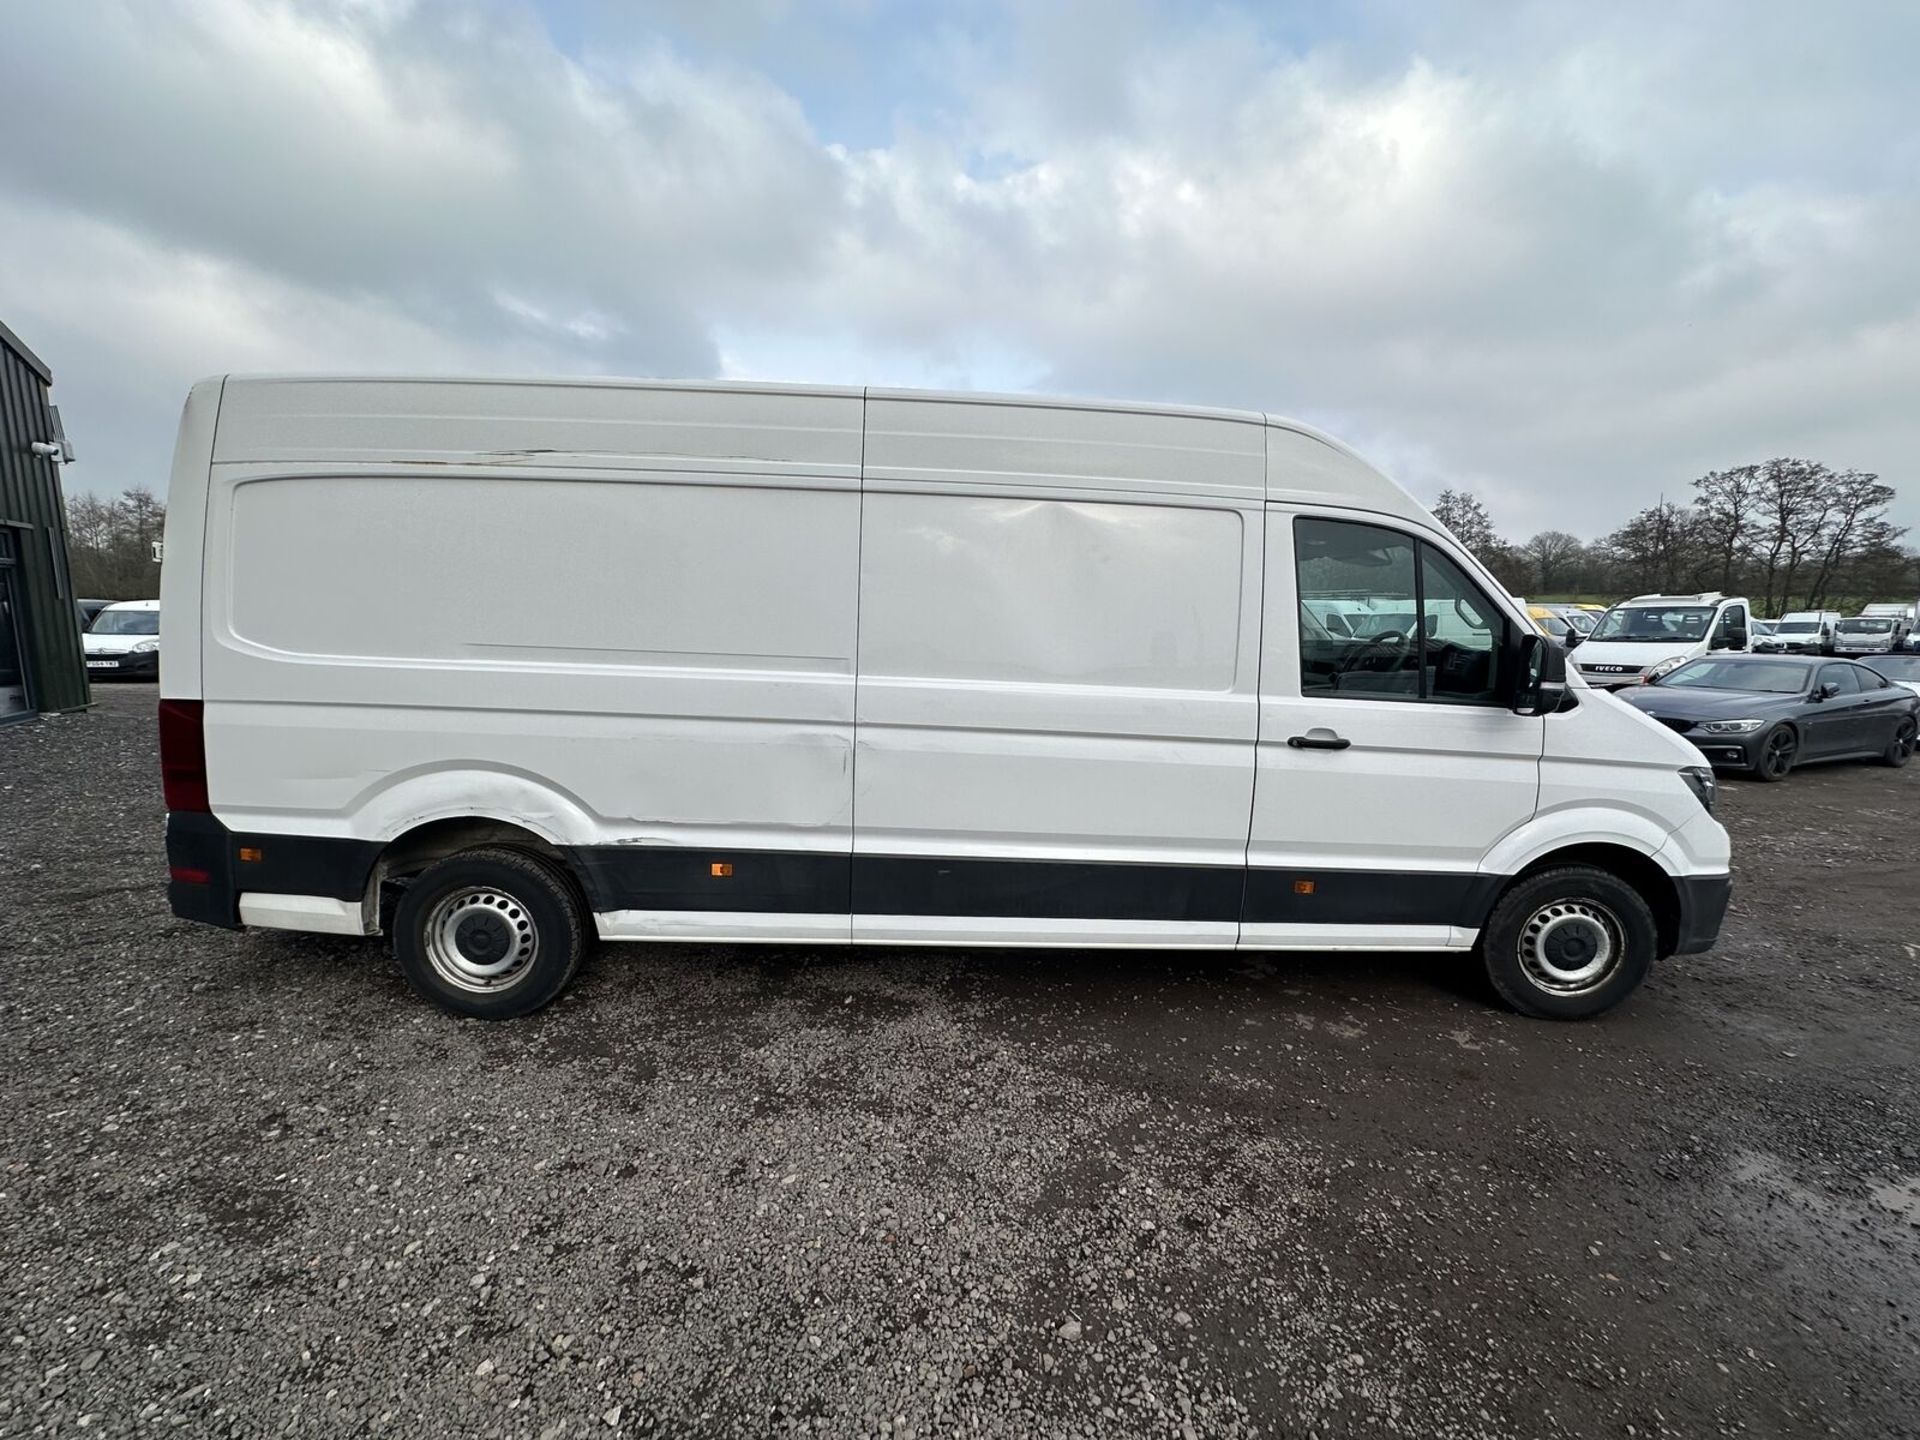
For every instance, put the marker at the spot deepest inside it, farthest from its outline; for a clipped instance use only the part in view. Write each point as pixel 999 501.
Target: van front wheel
pixel 1568 943
pixel 491 933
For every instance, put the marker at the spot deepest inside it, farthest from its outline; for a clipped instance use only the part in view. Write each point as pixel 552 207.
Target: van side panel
pixel 642 664
pixel 1059 631
pixel 181 571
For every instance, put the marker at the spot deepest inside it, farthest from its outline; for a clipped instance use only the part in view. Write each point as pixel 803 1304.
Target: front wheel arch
pixel 1642 872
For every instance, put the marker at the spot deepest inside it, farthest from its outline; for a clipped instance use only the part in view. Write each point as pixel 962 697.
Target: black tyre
pixel 1568 943
pixel 1779 748
pixel 1900 749
pixel 492 933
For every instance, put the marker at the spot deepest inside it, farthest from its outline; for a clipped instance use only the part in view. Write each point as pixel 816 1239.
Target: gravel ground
pixel 249 1186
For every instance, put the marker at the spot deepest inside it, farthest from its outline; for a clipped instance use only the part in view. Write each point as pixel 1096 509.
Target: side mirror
pixel 1540 676
pixel 1827 691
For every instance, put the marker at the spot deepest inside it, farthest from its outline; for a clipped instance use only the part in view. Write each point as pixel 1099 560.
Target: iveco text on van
pixel 496 668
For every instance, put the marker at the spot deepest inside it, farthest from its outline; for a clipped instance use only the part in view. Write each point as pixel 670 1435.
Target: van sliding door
pixel 1056 703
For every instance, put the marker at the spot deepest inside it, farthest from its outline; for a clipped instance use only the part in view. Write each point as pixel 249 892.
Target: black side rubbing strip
pixel 1045 889
pixel 657 877
pixel 1369 897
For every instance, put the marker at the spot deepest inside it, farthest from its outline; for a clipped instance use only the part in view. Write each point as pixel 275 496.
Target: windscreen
pixel 1769 677
pixel 1897 667
pixel 1659 623
pixel 126 622
pixel 1796 627
pixel 1866 625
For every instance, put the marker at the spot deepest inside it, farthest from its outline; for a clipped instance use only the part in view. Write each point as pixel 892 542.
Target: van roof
pixel 133 605
pixel 832 431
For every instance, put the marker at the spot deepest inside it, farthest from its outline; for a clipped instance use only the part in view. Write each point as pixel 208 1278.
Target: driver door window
pixel 1421 630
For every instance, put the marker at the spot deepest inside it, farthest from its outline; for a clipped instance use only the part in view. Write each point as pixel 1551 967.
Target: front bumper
pixel 1703 908
pixel 1729 752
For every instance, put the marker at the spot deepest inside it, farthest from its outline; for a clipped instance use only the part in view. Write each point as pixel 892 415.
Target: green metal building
pixel 41 667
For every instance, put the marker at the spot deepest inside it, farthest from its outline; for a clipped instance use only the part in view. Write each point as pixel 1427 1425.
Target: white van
pixel 497 668
pixel 1642 639
pixel 123 641
pixel 1803 632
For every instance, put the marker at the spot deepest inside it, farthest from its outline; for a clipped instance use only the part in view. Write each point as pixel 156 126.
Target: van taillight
pixel 183 755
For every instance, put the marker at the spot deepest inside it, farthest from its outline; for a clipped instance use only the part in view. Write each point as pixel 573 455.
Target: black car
pixel 1766 714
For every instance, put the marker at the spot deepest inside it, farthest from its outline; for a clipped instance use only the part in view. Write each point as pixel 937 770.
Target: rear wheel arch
pixel 413 850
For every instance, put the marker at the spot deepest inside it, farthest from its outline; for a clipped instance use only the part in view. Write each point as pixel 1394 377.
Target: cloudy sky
pixel 1565 255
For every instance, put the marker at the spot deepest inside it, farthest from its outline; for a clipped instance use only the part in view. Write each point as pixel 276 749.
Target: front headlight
pixel 1665 667
pixel 1729 727
pixel 143 646
pixel 1700 780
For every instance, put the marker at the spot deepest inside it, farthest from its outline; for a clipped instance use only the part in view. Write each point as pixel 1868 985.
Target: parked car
pixel 1076 647
pixel 1760 629
pixel 1802 632
pixel 1646 637
pixel 88 609
pixel 1556 627
pixel 1766 714
pixel 1581 617
pixel 1901 669
pixel 1869 635
pixel 123 643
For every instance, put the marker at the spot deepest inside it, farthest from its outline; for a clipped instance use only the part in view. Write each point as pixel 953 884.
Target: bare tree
pixel 1467 519
pixel 1551 553
pixel 111 545
pixel 1856 525
pixel 1726 502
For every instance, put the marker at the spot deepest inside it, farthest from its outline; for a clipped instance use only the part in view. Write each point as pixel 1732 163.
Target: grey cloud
pixel 1568 257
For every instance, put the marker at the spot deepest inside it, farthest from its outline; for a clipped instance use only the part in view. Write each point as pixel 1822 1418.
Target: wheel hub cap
pixel 1571 946
pixel 480 940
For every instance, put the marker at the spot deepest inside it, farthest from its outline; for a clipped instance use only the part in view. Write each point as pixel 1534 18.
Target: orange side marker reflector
pixel 1303 887
pixel 249 853
pixel 720 869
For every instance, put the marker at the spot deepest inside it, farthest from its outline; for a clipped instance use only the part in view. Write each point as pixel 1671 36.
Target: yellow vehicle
pixel 1569 624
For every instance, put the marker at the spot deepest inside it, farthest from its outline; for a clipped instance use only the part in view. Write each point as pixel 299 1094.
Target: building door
pixel 13 668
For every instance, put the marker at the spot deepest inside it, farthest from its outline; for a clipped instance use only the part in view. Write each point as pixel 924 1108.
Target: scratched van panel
pixel 576 424
pixel 608 661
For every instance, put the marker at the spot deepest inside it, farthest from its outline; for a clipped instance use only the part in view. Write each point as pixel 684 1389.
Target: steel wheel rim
pixel 480 940
pixel 1571 947
pixel 1779 752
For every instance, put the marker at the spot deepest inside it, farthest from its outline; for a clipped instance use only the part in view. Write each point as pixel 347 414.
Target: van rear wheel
pixel 1569 943
pixel 492 933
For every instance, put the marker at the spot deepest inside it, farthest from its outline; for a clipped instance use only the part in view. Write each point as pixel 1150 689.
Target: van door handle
pixel 1318 740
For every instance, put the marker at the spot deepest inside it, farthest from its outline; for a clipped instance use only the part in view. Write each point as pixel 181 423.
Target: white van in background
pixel 500 667
pixel 123 641
pixel 1642 639
pixel 1803 632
